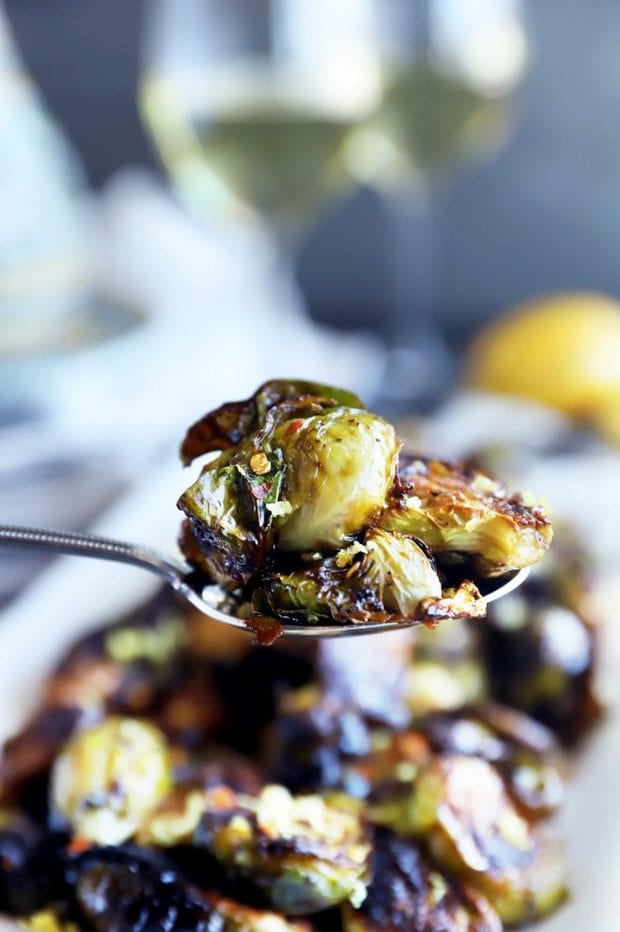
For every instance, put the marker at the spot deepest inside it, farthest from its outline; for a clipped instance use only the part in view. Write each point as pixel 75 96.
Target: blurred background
pixel 198 195
pixel 416 199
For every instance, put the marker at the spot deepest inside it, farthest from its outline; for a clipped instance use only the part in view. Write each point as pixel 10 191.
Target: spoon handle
pixel 88 545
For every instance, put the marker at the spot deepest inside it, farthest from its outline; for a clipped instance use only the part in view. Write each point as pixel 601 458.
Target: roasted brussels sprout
pixel 26 858
pixel 386 576
pixel 109 777
pixel 315 478
pixel 458 511
pixel 407 893
pixel 469 824
pixel 315 738
pixel 541 657
pixel 340 466
pixel 123 890
pixel 520 748
pixel 303 462
pixel 305 853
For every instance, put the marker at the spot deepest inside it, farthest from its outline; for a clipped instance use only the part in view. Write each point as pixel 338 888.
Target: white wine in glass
pixel 251 141
pixel 256 116
pixel 449 72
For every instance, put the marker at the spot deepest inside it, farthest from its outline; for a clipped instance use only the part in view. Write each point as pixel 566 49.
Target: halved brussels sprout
pixel 471 827
pixel 542 657
pixel 314 472
pixel 109 778
pixel 121 888
pixel 408 893
pixel 340 466
pixel 520 748
pixel 387 576
pixel 457 511
pixel 305 853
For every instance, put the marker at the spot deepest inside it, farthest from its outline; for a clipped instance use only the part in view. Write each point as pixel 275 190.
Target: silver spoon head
pixel 207 601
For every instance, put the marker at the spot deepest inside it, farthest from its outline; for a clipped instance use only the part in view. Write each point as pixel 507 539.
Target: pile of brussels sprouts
pixel 311 514
pixel 169 781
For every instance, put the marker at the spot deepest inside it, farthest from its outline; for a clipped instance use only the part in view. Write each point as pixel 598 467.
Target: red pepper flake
pixel 79 845
pixel 293 427
pixel 261 491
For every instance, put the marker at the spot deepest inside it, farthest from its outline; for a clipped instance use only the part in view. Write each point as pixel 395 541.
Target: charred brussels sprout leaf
pixel 109 777
pixel 229 424
pixel 407 893
pixel 459 512
pixel 303 852
pixel 229 513
pixel 117 890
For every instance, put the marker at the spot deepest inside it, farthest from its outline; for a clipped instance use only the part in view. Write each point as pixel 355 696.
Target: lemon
pixel 562 350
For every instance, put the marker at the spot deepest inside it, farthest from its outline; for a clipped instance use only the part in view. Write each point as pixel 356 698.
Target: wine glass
pixel 449 72
pixel 250 104
pixel 264 110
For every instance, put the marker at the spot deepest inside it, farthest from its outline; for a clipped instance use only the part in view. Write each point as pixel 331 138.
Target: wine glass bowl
pixel 250 109
pixel 449 71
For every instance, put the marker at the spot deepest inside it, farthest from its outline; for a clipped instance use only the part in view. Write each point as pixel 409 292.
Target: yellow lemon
pixel 562 350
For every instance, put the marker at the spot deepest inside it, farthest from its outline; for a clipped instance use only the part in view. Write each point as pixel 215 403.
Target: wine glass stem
pixel 416 360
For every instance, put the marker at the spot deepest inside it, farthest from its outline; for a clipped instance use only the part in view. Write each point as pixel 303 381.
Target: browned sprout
pixel 408 893
pixel 108 778
pixel 469 824
pixel 459 511
pixel 305 853
pixel 542 647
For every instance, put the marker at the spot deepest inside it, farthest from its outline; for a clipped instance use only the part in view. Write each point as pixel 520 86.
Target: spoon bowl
pixel 183 579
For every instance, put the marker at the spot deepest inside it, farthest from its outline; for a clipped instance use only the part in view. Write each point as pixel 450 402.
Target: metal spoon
pixel 183 579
